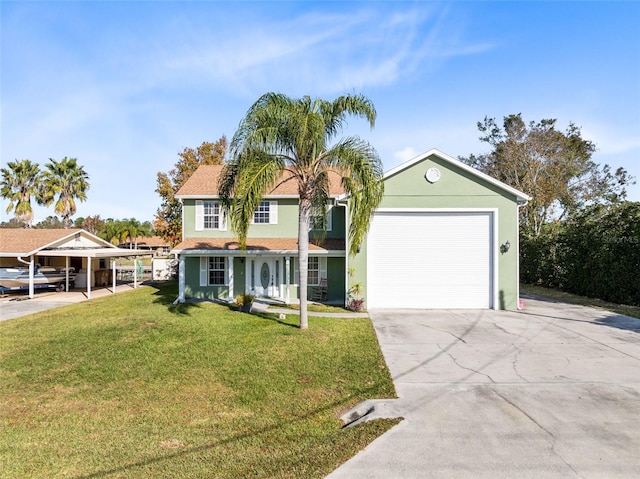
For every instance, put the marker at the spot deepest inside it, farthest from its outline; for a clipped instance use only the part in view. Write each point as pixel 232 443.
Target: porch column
pixel 181 279
pixel 230 268
pixel 89 275
pixel 113 274
pixel 287 263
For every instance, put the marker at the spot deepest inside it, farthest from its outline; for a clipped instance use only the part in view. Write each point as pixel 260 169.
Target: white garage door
pixel 430 260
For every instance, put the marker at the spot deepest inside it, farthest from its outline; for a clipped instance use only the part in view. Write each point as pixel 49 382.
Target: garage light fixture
pixel 505 247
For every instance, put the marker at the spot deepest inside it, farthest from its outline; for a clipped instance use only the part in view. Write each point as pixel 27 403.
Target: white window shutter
pixel 222 220
pixel 199 215
pixel 204 271
pixel 323 267
pixel 273 212
pixel 296 271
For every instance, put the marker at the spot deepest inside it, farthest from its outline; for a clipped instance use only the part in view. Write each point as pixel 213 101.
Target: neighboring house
pixel 444 236
pixel 153 244
pixel 90 256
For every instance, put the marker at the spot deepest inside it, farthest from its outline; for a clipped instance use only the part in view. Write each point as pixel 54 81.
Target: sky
pixel 125 86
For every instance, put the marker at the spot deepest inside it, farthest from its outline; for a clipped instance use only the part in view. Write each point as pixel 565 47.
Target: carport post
pixel 66 273
pixel 88 277
pixel 135 272
pixel 30 264
pixel 113 273
pixel 31 279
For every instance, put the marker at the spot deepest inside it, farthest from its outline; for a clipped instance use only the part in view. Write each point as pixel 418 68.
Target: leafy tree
pixel 112 231
pixel 13 223
pixel 92 224
pixel 168 220
pixel 19 183
pixel 555 168
pixel 67 180
pixel 50 222
pixel 284 136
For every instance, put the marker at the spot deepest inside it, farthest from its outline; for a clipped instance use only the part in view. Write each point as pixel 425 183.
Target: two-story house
pixel 444 236
pixel 212 265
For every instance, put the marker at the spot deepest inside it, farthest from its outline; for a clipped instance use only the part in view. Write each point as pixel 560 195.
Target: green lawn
pixel 129 386
pixel 627 310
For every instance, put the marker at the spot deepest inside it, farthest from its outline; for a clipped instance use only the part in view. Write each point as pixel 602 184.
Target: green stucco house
pixel 444 236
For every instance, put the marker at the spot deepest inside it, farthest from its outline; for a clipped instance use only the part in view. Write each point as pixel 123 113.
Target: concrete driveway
pixel 17 304
pixel 552 391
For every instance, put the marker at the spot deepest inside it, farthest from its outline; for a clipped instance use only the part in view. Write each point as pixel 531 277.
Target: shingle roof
pixel 204 182
pixel 18 241
pixel 258 244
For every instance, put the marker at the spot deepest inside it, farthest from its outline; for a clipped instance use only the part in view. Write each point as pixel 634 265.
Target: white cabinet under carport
pixel 431 259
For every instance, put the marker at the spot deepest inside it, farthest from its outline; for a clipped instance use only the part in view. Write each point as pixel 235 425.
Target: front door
pixel 266 277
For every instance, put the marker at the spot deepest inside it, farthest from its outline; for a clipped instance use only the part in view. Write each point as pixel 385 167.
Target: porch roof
pixel 194 246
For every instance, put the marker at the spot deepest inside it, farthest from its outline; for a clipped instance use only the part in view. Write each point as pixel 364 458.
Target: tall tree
pixel 19 183
pixel 553 167
pixel 112 231
pixel 131 229
pixel 50 223
pixel 295 136
pixel 92 224
pixel 64 181
pixel 168 220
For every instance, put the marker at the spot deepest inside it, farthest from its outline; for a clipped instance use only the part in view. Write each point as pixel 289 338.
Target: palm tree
pixel 19 183
pixel 131 229
pixel 280 134
pixel 67 180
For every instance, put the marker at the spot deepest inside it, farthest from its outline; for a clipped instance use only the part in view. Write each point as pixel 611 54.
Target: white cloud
pixel 405 154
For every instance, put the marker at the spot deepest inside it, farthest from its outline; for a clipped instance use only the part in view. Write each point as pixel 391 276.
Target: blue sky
pixel 125 86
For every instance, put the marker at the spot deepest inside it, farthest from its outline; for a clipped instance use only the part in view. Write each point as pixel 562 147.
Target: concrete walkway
pixel 552 391
pixel 264 307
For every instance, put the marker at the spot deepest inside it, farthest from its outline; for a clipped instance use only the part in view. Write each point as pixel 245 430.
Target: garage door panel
pixel 430 260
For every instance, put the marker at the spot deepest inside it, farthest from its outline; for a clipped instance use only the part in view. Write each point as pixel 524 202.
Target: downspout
pixel 30 264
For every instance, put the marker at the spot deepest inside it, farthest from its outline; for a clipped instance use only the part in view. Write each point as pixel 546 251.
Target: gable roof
pixel 521 197
pixel 57 242
pixel 204 183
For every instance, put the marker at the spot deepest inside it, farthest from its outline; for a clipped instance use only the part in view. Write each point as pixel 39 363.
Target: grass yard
pixel 129 386
pixel 627 310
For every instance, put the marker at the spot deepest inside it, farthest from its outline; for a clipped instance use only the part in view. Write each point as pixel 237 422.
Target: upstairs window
pixel 266 213
pixel 261 215
pixel 209 215
pixel 318 222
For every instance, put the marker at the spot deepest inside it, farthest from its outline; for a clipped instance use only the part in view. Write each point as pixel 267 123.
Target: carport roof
pixel 57 242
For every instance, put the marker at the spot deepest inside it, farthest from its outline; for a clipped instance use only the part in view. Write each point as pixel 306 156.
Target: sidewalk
pixel 264 307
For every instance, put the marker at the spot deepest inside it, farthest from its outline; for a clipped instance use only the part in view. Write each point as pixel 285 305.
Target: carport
pixel 24 245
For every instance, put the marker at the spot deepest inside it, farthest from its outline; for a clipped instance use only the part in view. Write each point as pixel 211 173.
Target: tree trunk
pixel 304 218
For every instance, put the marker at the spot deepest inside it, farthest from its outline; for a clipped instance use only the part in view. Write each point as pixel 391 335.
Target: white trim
pixel 443 156
pixel 265 197
pixel 257 252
